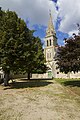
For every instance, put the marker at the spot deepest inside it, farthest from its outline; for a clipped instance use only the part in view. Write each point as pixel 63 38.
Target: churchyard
pixel 21 52
pixel 56 99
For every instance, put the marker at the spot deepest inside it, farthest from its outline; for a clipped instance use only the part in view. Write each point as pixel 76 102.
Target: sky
pixel 65 14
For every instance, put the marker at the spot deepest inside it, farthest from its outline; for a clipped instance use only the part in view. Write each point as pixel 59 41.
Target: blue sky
pixel 40 31
pixel 36 14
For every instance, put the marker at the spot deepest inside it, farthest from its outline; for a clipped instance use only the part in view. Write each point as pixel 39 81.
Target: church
pixel 50 51
pixel 50 48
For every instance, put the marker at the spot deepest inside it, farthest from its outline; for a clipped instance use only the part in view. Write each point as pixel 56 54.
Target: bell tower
pixel 50 46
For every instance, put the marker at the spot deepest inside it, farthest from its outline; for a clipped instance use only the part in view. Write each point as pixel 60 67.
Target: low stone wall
pixel 47 76
pixel 76 75
pixel 70 75
pixel 41 76
pixel 33 76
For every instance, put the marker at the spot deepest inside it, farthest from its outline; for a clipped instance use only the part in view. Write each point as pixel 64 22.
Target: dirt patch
pixel 39 102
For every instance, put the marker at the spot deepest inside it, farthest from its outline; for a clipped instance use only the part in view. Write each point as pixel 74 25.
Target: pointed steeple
pixel 50 30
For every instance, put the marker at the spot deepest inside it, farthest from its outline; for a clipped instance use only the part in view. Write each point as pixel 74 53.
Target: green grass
pixel 72 84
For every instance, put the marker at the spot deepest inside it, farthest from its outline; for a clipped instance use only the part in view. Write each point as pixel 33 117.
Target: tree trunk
pixel 6 78
pixel 28 76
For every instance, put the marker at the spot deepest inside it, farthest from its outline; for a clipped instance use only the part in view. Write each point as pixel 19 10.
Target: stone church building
pixel 49 52
pixel 50 48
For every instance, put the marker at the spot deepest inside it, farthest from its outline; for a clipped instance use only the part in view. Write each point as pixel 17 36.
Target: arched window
pixel 50 42
pixel 47 42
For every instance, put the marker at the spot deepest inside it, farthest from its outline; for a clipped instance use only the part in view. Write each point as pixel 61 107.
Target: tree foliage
pixel 68 56
pixel 36 57
pixel 19 50
pixel 13 42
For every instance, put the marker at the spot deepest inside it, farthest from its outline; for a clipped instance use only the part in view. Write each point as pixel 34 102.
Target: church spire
pixel 50 30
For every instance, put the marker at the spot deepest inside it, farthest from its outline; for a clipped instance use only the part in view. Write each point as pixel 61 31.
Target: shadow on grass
pixel 24 83
pixel 72 83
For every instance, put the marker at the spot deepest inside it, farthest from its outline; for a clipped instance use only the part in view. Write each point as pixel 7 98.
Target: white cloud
pixel 36 11
pixel 69 11
pixel 74 31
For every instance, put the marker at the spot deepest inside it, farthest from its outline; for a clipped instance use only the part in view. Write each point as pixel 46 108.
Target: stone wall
pixel 40 76
pixel 70 75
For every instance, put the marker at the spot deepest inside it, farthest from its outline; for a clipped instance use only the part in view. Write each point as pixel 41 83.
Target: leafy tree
pixel 36 58
pixel 14 37
pixel 20 51
pixel 68 56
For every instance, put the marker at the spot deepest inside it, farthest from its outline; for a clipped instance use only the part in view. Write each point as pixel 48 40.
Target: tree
pixel 14 36
pixel 20 51
pixel 36 58
pixel 68 56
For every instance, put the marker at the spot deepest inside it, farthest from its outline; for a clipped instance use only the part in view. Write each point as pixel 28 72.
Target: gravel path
pixel 43 101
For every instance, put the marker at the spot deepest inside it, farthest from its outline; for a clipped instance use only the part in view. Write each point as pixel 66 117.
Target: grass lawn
pixel 40 100
pixel 71 84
